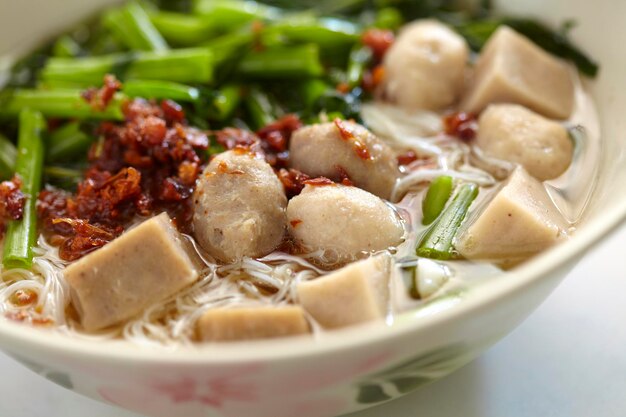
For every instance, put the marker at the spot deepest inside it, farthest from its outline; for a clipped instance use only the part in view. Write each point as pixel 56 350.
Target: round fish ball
pixel 340 148
pixel 425 66
pixel 239 207
pixel 342 222
pixel 519 135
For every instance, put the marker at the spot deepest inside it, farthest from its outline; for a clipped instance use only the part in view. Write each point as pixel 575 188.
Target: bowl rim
pixel 335 342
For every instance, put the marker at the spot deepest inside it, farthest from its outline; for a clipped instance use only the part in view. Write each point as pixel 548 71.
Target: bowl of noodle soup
pixel 163 372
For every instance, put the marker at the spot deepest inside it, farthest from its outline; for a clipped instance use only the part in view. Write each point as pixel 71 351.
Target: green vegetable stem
pixel 436 198
pixel 21 234
pixel 437 242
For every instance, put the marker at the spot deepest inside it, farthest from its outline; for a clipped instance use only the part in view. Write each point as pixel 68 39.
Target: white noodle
pixel 271 280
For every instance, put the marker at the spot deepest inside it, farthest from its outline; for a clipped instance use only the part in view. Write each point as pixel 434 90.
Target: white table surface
pixel 567 360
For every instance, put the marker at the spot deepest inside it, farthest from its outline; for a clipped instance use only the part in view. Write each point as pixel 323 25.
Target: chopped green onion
pixel 437 243
pixel 21 235
pixel 160 90
pixel 8 154
pixel 436 198
pixel 132 26
pixel 63 103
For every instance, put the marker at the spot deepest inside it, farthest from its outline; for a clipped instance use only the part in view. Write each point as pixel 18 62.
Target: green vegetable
pixel 62 172
pixel 233 44
pixel 132 26
pixel 215 149
pixel 63 177
pixel 296 62
pixel 21 235
pixel 436 198
pixel 312 91
pixel 183 29
pixel 63 103
pixel 224 102
pixel 328 33
pixel 358 61
pixel 192 65
pixel 228 14
pixel 437 242
pixel 388 18
pixel 160 90
pixel 66 47
pixel 318 97
pixel 261 109
pixel 67 142
pixel 8 154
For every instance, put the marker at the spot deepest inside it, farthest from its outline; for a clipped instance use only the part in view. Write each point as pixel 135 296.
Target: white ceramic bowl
pixel 356 367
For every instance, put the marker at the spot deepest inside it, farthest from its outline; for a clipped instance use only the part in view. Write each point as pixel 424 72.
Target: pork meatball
pixel 425 66
pixel 343 222
pixel 239 207
pixel 516 134
pixel 342 148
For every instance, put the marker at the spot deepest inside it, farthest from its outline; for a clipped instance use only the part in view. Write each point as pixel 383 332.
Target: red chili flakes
pixel 343 88
pixel 12 199
pixel 379 41
pixel 275 139
pixel 12 202
pixel 295 223
pixel 22 316
pixel 373 78
pixel 257 29
pixel 83 238
pixel 293 181
pixel 320 182
pixel 270 142
pixel 23 298
pixel 146 165
pixel 18 316
pixel 349 135
pixel 99 99
pixel 188 172
pixel 343 176
pixel 231 137
pixel 407 157
pixel 42 321
pixel 172 111
pixel 461 124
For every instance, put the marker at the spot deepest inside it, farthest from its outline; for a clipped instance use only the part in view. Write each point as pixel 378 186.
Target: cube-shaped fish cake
pixel 246 323
pixel 512 69
pixel 118 281
pixel 518 222
pixel 356 293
